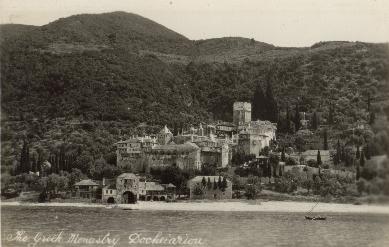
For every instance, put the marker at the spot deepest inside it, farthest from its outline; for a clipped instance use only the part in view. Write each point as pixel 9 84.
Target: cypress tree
pixel 368 102
pixel 204 182
pixel 283 158
pixel 357 175
pixel 343 154
pixel 219 183
pixel 367 152
pixel 362 160
pixel 33 164
pixel 297 118
pixel 287 114
pixel 325 141
pixel 28 162
pixel 372 118
pixel 271 104
pixel 259 103
pixel 39 162
pixel 358 153
pixel 22 165
pixel 209 184
pixel 338 154
pixel 224 184
pixel 315 121
pixel 268 170
pixel 331 115
pixel 318 158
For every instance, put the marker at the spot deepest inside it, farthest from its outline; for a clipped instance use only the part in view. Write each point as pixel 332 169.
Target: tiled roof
pixel 151 186
pixel 86 182
pixel 165 130
pixel 186 147
pixel 127 175
pixel 200 178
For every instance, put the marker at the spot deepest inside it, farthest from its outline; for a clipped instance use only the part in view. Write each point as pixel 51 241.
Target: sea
pixel 75 226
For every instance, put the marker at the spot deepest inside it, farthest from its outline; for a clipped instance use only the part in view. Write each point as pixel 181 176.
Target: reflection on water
pixel 213 228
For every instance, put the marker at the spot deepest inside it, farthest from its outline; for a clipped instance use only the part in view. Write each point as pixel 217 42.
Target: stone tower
pixel 241 113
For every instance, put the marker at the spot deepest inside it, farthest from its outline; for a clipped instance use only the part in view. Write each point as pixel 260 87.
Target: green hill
pixel 129 70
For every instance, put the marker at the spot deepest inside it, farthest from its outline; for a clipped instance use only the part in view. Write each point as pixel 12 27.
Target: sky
pixel 279 22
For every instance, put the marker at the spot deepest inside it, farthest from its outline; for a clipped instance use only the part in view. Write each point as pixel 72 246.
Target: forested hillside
pixel 111 73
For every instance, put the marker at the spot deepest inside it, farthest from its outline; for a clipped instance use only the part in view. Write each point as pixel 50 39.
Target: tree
pixel 33 164
pixel 315 121
pixel 23 166
pixel 28 162
pixel 297 123
pixel 358 153
pixel 337 157
pixel 198 190
pixel 362 160
pixel 331 115
pixel 283 158
pixel 325 141
pixel 209 184
pixel 371 118
pixel 271 104
pixel 259 103
pixel 75 176
pixel 300 143
pixel 224 184
pixel 39 162
pixel 214 184
pixel 367 152
pixel 204 182
pixel 357 175
pixel 56 183
pixel 219 183
pixel 251 191
pixel 318 158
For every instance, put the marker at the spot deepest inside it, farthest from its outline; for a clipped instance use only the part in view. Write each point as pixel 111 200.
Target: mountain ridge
pixel 150 72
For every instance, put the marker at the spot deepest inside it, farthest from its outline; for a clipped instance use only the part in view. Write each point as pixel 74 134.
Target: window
pixel 106 191
pixel 110 191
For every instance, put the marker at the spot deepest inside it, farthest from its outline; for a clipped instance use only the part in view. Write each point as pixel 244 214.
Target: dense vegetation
pixel 72 88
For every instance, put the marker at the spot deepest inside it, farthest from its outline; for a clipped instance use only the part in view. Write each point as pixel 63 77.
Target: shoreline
pixel 222 206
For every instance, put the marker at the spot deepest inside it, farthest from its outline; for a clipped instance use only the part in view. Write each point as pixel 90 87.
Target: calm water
pixel 213 228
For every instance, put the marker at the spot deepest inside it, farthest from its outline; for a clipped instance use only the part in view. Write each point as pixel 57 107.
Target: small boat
pixel 315 218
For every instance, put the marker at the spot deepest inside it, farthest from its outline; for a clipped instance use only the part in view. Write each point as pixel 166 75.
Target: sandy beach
pixel 250 206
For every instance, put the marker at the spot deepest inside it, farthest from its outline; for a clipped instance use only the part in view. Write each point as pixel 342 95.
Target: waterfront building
pixel 86 189
pixel 153 191
pixel 129 188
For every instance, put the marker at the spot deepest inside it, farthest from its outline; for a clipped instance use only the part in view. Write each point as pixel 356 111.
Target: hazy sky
pixel 279 22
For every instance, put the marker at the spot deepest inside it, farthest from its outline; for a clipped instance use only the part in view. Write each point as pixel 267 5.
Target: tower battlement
pixel 243 106
pixel 241 113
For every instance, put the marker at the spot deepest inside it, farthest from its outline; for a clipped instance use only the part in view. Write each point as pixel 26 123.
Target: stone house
pixel 153 191
pixel 86 189
pixel 109 193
